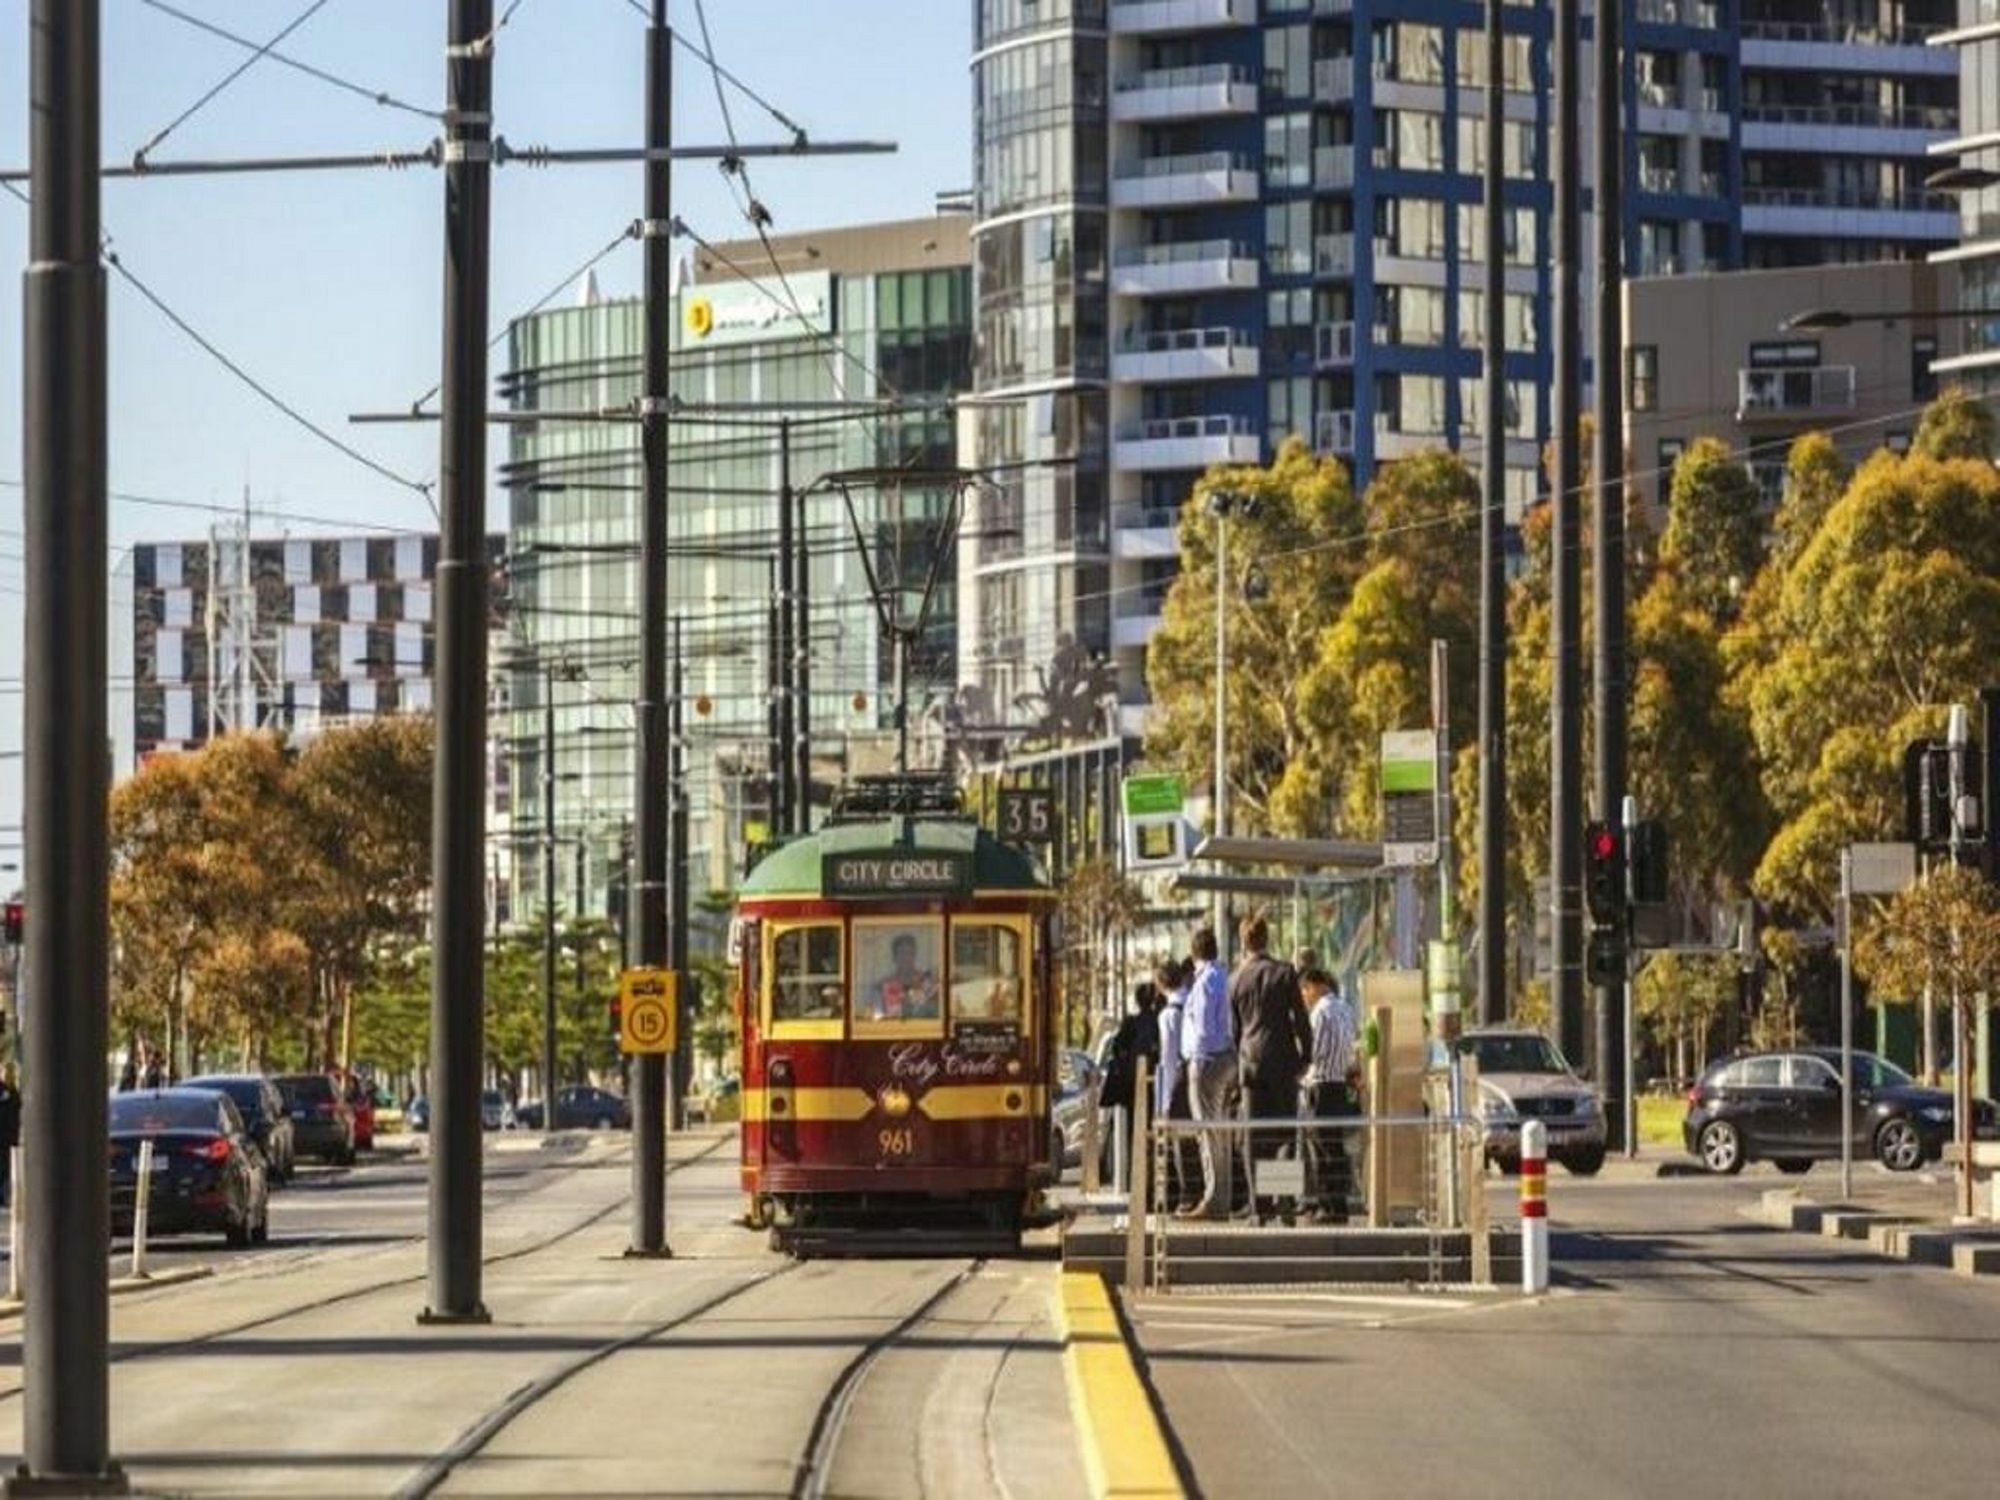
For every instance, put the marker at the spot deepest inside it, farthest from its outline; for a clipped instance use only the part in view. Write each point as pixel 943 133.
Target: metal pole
pixel 549 898
pixel 458 984
pixel 677 845
pixel 1493 562
pixel 777 761
pixel 1565 709
pixel 648 930
pixel 801 641
pixel 1846 1025
pixel 783 761
pixel 66 1423
pixel 1221 774
pixel 1608 560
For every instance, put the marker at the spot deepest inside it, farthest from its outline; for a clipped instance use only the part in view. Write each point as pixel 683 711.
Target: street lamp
pixel 1823 319
pixel 1222 504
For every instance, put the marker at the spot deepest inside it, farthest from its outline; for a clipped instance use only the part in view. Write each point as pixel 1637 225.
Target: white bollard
pixel 140 1205
pixel 1534 1207
pixel 16 1219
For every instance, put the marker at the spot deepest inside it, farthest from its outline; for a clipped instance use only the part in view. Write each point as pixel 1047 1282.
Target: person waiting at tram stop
pixel 1273 1042
pixel 1138 1036
pixel 908 992
pixel 1330 1094
pixel 1208 1050
pixel 1175 981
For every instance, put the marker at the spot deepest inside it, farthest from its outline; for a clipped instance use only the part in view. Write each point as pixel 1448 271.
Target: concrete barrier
pixel 1125 1452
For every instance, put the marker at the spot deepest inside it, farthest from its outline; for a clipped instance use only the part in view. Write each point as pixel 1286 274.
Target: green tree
pixel 1679 1000
pixel 1095 905
pixel 1305 541
pixel 1715 530
pixel 1956 425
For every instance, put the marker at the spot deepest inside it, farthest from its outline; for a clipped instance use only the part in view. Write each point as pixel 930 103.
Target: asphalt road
pixel 1683 1350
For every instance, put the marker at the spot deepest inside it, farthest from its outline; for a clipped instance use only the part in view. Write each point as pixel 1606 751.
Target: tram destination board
pixel 885 874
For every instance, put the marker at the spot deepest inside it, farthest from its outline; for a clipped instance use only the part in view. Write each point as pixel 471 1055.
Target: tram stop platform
pixel 1213 1253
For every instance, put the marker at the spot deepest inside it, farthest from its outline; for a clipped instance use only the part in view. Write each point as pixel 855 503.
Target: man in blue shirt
pixel 1208 1045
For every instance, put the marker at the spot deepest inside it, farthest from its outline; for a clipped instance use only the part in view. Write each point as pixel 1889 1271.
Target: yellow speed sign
pixel 648 1009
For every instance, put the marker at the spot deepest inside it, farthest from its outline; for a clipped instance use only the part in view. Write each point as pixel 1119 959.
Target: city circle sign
pixel 888 873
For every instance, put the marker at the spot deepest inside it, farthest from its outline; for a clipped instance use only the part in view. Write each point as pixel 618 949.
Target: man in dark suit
pixel 1273 1041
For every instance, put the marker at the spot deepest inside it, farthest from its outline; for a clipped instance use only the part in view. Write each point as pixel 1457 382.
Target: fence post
pixel 1093 1142
pixel 141 1206
pixel 1534 1207
pixel 1138 1161
pixel 1378 1104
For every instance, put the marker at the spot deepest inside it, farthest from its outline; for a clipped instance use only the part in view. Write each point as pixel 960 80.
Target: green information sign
pixel 1154 796
pixel 1409 761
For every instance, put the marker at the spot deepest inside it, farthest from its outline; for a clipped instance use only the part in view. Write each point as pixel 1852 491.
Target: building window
pixel 1642 377
pixel 1923 381
pixel 1670 452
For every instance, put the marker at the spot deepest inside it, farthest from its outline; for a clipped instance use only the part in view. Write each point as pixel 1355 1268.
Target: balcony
pixel 1833 46
pixel 1147 17
pixel 1171 181
pixel 1333 80
pixel 1333 167
pixel 1701 14
pixel 1657 177
pixel 1189 266
pixel 1877 128
pixel 1186 354
pixel 1333 346
pixel 1333 432
pixel 1135 620
pixel 1778 394
pixel 1333 255
pixel 1186 443
pixel 1142 535
pixel 1185 93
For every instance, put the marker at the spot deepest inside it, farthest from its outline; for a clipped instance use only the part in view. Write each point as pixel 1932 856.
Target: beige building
pixel 1711 356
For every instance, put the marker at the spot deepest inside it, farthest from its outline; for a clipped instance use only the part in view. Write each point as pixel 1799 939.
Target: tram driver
pixel 908 992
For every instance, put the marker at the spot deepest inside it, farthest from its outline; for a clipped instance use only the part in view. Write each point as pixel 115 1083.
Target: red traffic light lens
pixel 1603 845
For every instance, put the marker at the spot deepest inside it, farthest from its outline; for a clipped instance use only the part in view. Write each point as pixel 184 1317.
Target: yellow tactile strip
pixel 1125 1452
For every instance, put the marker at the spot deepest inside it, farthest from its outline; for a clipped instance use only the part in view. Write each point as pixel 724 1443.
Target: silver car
pixel 1522 1077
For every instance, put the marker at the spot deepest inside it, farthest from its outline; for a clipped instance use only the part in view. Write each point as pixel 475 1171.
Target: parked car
pixel 418 1115
pixel 1077 1076
pixel 208 1175
pixel 578 1108
pixel 495 1113
pixel 264 1114
pixel 360 1099
pixel 388 1113
pixel 1784 1107
pixel 321 1120
pixel 1523 1077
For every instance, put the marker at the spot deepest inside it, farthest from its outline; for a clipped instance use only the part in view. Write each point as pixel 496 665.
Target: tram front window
pixel 986 972
pixel 806 974
pixel 897 965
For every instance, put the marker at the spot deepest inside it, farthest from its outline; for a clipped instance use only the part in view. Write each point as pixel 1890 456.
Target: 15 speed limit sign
pixel 648 1008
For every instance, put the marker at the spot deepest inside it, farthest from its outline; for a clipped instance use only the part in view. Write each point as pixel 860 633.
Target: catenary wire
pixel 311 10
pixel 347 85
pixel 682 40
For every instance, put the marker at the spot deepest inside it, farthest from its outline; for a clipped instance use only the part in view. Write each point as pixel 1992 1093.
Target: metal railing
pixel 1873 116
pixel 1702 13
pixel 1908 34
pixel 1763 196
pixel 1181 252
pixel 1182 340
pixel 1806 388
pixel 1163 429
pixel 1147 168
pixel 1333 432
pixel 1201 76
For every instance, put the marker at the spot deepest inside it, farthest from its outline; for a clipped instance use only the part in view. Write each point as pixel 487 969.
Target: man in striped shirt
pixel 1329 1089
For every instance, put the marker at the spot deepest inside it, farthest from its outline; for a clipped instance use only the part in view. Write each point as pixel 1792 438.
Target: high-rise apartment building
pixel 1975 43
pixel 773 363
pixel 1204 226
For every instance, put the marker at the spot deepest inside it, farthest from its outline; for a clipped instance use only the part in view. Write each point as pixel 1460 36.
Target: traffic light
pixel 1604 958
pixel 1604 871
pixel 15 917
pixel 1648 856
pixel 1927 795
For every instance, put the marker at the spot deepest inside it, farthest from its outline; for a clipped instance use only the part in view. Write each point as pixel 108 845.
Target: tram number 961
pixel 898 1142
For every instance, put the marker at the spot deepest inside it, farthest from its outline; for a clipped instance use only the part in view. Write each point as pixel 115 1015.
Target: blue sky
pixel 326 286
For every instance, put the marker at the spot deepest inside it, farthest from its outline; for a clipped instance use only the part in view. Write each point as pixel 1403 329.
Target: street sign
pixel 1027 815
pixel 648 1010
pixel 1409 797
pixel 888 873
pixel 1154 796
pixel 1883 869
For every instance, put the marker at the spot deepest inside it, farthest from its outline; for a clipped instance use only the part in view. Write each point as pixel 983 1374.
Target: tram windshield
pixel 986 968
pixel 897 964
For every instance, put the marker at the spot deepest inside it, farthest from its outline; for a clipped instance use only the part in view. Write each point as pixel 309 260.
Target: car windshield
pixel 314 1088
pixel 1523 1053
pixel 147 1114
pixel 247 1094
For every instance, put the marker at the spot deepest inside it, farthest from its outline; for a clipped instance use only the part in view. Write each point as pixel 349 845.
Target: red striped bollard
pixel 1534 1207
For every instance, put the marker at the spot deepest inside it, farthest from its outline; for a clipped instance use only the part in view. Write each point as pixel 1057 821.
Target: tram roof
pixel 798 868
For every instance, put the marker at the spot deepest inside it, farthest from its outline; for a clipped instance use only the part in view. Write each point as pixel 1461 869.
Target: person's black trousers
pixel 1332 1180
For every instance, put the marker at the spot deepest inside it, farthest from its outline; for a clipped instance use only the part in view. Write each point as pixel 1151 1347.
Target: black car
pixel 264 1114
pixel 322 1123
pixel 578 1108
pixel 208 1176
pixel 1784 1108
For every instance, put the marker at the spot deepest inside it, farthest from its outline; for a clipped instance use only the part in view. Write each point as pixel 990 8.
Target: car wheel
pixel 236 1235
pixel 1721 1148
pixel 261 1235
pixel 1898 1146
pixel 602 1122
pixel 1586 1163
pixel 1793 1166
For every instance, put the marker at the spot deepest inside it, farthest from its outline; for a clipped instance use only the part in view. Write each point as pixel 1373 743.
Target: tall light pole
pixel 66 1428
pixel 1493 557
pixel 1566 626
pixel 1222 504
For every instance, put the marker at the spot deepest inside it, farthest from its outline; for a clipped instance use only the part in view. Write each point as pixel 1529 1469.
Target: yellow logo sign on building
pixel 648 1010
pixel 700 317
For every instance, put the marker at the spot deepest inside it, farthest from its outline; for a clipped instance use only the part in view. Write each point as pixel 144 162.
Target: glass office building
pixel 1976 45
pixel 860 315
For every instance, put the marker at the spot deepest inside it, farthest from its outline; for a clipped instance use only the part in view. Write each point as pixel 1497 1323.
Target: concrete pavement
pixel 1684 1349
pixel 725 1369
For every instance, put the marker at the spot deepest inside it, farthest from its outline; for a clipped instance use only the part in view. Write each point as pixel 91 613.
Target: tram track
pixel 346 1295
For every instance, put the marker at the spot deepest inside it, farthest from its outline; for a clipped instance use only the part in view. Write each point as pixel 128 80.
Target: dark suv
pixel 1784 1108
pixel 322 1123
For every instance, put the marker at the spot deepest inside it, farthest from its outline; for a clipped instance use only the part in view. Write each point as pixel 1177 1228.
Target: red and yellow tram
pixel 895 1001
